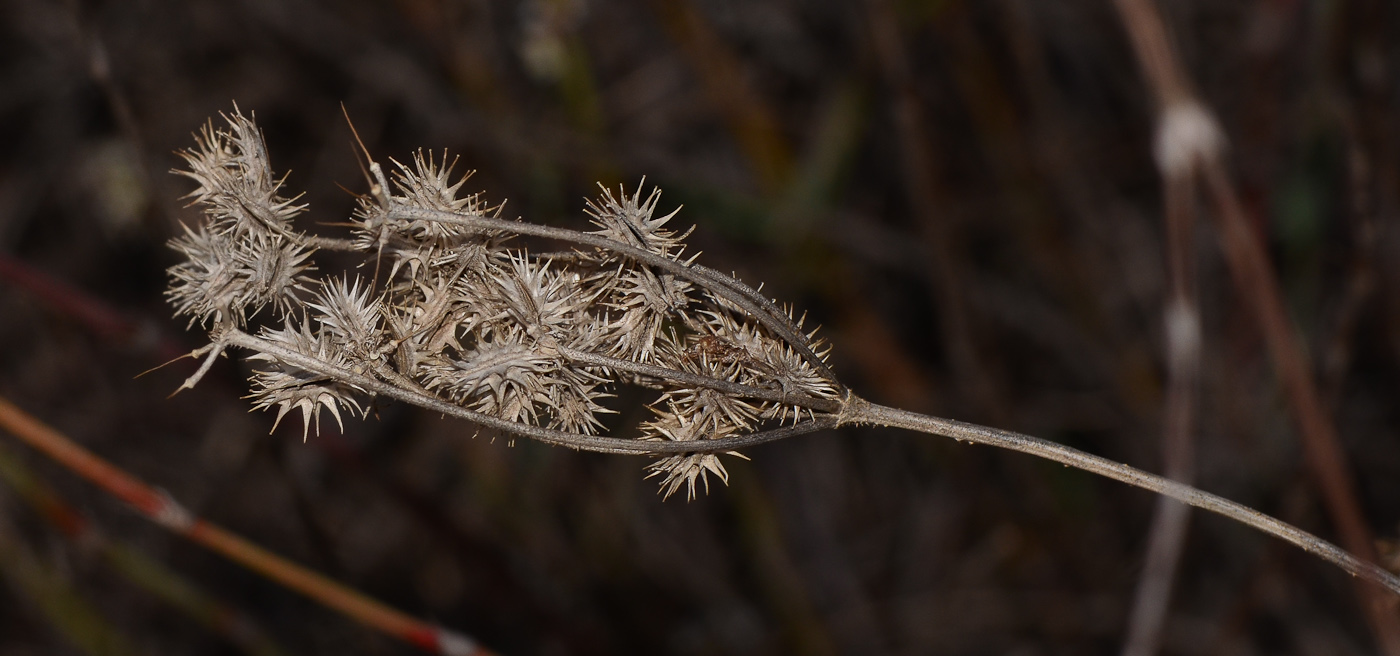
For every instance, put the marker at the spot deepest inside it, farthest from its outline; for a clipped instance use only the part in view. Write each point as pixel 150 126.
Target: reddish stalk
pixel 1322 449
pixel 102 319
pixel 1258 286
pixel 162 509
pixel 133 564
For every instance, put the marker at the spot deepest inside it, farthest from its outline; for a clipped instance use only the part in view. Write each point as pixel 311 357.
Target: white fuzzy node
pixel 1186 135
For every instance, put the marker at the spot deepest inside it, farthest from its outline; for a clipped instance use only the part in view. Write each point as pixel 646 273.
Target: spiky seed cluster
pixel 286 386
pixel 458 314
pixel 246 255
pixel 642 298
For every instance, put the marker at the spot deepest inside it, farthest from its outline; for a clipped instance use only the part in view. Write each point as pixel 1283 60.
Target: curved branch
pixel 578 441
pixel 737 389
pixel 869 413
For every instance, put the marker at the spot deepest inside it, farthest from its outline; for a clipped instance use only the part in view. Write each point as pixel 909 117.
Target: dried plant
pixel 457 320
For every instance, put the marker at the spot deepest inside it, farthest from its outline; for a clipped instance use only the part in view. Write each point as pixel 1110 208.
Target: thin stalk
pixel 878 415
pixel 737 389
pixel 547 435
pixel 1200 151
pixel 853 410
pixel 1167 537
pixel 162 509
pixel 135 565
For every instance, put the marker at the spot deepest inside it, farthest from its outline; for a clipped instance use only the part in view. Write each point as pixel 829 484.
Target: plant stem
pixel 853 411
pixel 869 413
pixel 718 384
pixel 136 566
pixel 162 509
pixel 415 396
pixel 1166 539
pixel 1259 288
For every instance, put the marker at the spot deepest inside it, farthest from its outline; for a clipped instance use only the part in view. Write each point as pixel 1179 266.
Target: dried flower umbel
pixel 450 316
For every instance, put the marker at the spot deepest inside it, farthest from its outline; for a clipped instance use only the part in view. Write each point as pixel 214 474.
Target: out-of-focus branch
pixel 751 120
pixel 1196 145
pixel 134 565
pixel 162 509
pixel 1170 518
pixel 924 190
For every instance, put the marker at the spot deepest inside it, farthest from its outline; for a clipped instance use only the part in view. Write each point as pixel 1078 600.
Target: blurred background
pixel 961 193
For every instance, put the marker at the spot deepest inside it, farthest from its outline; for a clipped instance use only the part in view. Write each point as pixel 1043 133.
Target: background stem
pixel 163 510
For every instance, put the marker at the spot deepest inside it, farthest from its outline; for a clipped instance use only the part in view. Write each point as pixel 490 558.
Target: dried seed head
pixel 573 401
pixel 206 285
pixel 460 317
pixel 246 255
pixel 224 275
pixel 541 301
pixel 504 376
pixel 287 386
pixel 429 184
pixel 352 317
pixel 711 412
pixel 686 468
pixel 644 301
pixel 628 219
pixel 236 183
pixel 768 362
pixel 426 184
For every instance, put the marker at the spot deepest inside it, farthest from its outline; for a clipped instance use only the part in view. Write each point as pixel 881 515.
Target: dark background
pixel 972 214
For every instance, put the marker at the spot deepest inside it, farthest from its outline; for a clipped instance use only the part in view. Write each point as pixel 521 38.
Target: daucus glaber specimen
pixel 451 311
